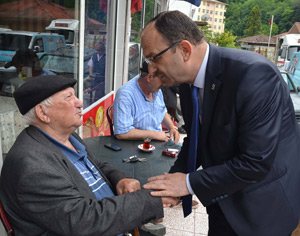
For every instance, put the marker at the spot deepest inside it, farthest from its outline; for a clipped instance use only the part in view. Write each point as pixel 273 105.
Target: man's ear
pixel 186 49
pixel 148 78
pixel 41 112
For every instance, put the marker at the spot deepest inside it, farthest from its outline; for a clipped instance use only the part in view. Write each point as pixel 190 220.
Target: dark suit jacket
pixel 44 194
pixel 249 144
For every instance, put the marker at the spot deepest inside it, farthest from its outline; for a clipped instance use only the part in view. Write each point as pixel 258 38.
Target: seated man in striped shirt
pixel 139 110
pixel 50 183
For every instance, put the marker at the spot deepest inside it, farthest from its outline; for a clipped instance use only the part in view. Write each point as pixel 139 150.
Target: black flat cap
pixel 39 88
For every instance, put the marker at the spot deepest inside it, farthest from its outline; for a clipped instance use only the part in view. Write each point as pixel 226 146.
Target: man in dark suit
pixel 249 140
pixel 50 183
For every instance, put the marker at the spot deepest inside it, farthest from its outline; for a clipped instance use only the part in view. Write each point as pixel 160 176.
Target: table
pixel 156 163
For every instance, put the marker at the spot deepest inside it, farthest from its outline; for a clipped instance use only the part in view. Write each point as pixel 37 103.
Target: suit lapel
pixel 213 81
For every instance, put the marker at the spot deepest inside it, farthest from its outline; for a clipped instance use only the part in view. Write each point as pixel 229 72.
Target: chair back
pixel 109 115
pixel 5 221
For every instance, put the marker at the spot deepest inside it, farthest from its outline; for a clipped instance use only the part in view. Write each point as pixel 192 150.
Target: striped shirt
pixel 133 110
pixel 87 170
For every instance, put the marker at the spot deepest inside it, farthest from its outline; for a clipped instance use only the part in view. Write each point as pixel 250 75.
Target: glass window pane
pixel 49 44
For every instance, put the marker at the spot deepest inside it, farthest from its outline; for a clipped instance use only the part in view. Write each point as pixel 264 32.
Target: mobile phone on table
pixel 113 146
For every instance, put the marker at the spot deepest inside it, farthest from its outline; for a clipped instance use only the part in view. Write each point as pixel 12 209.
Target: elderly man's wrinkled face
pixel 65 112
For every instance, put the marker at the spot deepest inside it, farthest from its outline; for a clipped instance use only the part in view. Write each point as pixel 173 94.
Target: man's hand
pixel 168 185
pixel 128 185
pixel 174 135
pixel 169 201
pixel 161 136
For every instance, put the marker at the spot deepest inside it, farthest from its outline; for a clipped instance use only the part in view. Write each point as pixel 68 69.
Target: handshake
pixel 170 187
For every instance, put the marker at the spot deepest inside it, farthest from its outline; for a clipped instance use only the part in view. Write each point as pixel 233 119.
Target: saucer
pixel 146 150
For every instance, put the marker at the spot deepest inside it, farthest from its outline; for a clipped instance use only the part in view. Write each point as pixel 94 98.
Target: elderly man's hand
pixel 128 185
pixel 174 135
pixel 169 201
pixel 168 185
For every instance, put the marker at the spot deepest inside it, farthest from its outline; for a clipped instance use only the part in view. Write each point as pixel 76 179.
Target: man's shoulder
pixel 129 87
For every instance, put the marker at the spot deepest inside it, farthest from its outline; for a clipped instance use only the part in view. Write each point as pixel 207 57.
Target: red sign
pixel 62 24
pixel 95 122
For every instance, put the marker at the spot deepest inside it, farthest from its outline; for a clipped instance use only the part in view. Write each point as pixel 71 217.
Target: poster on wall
pixel 95 122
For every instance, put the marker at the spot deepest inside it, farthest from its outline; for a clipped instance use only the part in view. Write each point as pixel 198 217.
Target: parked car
pixel 294 92
pixel 293 68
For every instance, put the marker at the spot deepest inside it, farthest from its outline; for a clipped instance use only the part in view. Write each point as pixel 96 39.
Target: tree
pixel 266 29
pixel 226 39
pixel 208 34
pixel 253 26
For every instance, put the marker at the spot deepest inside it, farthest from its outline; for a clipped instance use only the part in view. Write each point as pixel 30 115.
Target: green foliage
pixel 226 39
pixel 136 21
pixel 266 29
pixel 93 11
pixel 286 13
pixel 206 30
pixel 253 26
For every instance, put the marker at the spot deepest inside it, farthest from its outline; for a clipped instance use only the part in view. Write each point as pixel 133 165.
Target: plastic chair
pixel 109 115
pixel 5 221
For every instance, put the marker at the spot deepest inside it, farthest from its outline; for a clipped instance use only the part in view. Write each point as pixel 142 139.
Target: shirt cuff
pixel 189 185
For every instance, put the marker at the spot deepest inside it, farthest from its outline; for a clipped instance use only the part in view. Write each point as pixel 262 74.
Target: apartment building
pixel 213 12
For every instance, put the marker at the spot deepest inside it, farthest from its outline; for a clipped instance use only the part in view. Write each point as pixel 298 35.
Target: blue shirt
pixel 87 170
pixel 47 72
pixel 133 110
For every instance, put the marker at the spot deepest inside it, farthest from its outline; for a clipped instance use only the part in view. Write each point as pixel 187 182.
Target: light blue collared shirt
pixel 199 83
pixel 133 110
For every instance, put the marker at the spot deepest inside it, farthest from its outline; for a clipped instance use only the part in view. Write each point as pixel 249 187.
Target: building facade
pixel 214 13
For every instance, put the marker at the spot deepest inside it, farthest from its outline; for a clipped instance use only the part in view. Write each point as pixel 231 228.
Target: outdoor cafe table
pixel 155 164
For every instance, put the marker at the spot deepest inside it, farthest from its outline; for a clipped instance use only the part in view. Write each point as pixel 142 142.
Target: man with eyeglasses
pixel 139 110
pixel 248 137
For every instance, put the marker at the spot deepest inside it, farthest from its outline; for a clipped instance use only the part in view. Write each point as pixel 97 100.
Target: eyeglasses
pixel 151 59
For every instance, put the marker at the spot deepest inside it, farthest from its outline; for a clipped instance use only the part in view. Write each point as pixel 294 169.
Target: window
pixel 217 5
pixel 221 6
pixel 219 27
pixel 30 33
pixel 220 20
pixel 203 11
pixel 211 12
pixel 221 13
pixel 216 20
pixel 208 4
pixel 204 3
pixel 199 10
pixel 215 26
pixel 216 13
pixel 207 11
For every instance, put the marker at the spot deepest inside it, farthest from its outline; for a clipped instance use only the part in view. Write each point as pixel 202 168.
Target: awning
pixel 194 2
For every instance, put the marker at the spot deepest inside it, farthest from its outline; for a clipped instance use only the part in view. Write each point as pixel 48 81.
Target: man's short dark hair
pixel 175 26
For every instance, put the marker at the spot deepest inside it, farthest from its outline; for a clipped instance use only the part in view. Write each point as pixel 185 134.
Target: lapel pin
pixel 213 87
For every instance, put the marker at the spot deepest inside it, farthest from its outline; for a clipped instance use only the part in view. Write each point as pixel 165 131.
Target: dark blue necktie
pixel 192 157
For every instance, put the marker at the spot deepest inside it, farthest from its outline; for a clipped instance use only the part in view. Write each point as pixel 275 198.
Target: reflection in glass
pixel 24 26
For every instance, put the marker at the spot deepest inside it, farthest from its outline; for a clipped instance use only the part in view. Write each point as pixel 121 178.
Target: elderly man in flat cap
pixel 51 185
